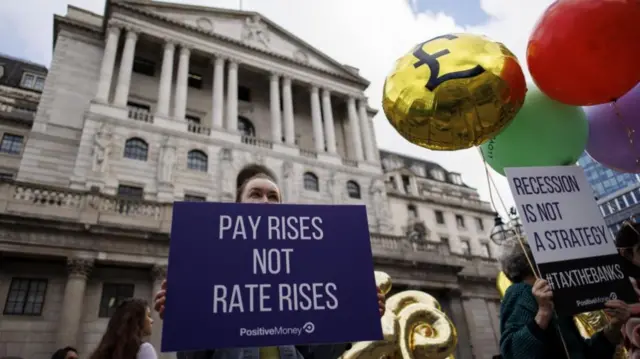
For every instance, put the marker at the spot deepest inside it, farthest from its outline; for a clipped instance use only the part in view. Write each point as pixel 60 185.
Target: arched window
pixel 353 189
pixel 246 127
pixel 311 182
pixel 197 161
pixel 136 149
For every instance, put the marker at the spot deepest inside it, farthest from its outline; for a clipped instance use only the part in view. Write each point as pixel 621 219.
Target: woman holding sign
pixel 257 185
pixel 530 328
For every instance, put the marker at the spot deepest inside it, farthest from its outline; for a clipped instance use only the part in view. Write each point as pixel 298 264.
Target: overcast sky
pixel 366 34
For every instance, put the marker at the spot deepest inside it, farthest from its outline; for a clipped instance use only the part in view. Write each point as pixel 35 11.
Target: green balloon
pixel 543 133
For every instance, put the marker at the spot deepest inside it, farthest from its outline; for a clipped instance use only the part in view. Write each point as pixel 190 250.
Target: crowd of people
pixel 530 328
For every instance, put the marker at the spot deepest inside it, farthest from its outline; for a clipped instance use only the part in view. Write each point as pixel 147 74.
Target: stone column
pixel 276 114
pixel 166 76
pixel 232 96
pixel 218 93
pixel 365 126
pixel 329 126
pixel 287 104
pixel 316 120
pixel 158 274
pixel 459 318
pixel 126 65
pixel 354 123
pixel 182 82
pixel 72 303
pixel 108 63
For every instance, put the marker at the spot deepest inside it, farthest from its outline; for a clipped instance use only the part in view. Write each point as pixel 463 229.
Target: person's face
pixel 635 254
pixel 260 190
pixel 71 355
pixel 148 323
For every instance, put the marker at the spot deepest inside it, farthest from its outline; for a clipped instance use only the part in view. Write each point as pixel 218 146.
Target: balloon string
pixel 630 131
pixel 520 240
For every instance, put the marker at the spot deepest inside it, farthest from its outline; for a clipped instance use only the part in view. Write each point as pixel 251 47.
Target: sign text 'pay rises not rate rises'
pixel 570 242
pixel 247 275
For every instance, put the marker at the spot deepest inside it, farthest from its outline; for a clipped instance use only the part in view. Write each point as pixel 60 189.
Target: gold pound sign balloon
pixel 454 91
pixel 413 327
pixel 587 323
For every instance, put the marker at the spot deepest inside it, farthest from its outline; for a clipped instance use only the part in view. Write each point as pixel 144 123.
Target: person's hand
pixel 618 312
pixel 161 297
pixel 381 302
pixel 544 296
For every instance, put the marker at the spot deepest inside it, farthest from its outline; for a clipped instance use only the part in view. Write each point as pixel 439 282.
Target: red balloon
pixel 586 52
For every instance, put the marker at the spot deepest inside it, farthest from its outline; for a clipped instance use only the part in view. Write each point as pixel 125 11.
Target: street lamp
pixel 501 232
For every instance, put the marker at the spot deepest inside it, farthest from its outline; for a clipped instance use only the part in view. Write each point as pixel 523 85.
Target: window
pixel 460 221
pixel 444 240
pixel 438 175
pixel 439 217
pixel 311 182
pixel 144 66
pixel 465 247
pixel 112 295
pixel 136 149
pixel 26 296
pixel 192 119
pixel 486 250
pixel 130 192
pixel 32 81
pixel 455 178
pixel 480 224
pixel 244 94
pixel 197 161
pixel 245 127
pixel 413 211
pixel 11 144
pixel 194 198
pixel 4 176
pixel 406 184
pixel 139 106
pixel 195 80
pixel 394 185
pixel 1 71
pixel 353 189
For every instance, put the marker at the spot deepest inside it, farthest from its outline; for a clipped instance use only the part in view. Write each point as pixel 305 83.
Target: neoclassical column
pixel 232 96
pixel 316 120
pixel 276 114
pixel 126 65
pixel 354 123
pixel 365 127
pixel 72 302
pixel 158 274
pixel 180 109
pixel 166 78
pixel 218 93
pixel 108 63
pixel 329 126
pixel 287 105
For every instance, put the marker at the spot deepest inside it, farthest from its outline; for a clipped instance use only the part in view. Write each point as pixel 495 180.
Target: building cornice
pixel 354 80
pixel 443 203
pixel 60 22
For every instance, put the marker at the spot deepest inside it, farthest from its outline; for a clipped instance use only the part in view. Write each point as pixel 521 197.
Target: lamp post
pixel 501 232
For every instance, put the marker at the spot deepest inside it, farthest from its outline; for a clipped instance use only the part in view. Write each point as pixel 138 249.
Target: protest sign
pixel 255 275
pixel 571 244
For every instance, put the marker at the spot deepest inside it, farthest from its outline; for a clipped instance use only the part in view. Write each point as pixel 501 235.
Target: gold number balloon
pixel 454 91
pixel 413 327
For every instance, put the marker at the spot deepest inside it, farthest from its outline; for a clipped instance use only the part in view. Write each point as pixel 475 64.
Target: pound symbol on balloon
pixel 431 61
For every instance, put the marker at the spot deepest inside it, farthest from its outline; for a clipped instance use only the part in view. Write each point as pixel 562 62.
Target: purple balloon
pixel 614 133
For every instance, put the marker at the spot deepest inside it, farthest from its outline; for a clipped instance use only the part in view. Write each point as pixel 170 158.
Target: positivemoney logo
pixel 306 328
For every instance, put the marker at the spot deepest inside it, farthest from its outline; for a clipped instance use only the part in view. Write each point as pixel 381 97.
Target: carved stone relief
pixel 301 56
pixel 333 188
pixel 167 161
pixel 102 147
pixel 380 206
pixel 256 31
pixel 158 272
pixel 205 24
pixel 79 266
pixel 226 175
pixel 288 182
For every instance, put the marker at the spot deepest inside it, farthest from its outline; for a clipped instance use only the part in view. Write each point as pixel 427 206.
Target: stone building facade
pixel 157 102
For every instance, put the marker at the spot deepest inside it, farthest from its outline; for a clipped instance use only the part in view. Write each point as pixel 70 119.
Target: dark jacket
pixel 328 351
pixel 522 338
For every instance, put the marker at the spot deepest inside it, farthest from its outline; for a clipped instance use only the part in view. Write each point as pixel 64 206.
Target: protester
pixel 628 244
pixel 257 185
pixel 530 329
pixel 65 353
pixel 123 339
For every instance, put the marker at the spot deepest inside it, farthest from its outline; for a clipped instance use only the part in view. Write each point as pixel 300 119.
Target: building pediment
pixel 248 28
